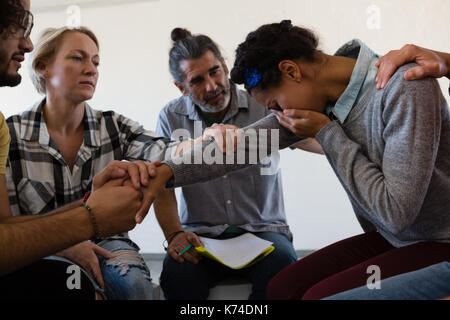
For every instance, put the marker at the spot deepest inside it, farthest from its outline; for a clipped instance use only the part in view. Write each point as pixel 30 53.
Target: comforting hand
pixel 180 242
pixel 431 64
pixel 115 207
pixel 85 255
pixel 304 123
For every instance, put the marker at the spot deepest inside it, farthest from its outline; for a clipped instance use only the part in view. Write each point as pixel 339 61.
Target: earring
pixel 297 80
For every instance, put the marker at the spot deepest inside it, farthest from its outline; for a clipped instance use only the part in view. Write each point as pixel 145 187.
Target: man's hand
pixel 85 255
pixel 303 123
pixel 180 242
pixel 431 64
pixel 115 207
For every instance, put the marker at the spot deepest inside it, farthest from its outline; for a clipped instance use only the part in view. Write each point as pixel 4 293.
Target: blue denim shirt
pixel 245 198
pixel 363 77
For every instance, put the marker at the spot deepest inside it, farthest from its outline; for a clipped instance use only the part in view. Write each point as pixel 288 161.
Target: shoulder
pixel 422 96
pixel 25 121
pixel 2 122
pixel 258 111
pixel 4 132
pixel 175 110
pixel 176 106
pixel 398 87
pixel 108 116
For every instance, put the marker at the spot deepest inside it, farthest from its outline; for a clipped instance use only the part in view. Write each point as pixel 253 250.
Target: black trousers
pixel 47 280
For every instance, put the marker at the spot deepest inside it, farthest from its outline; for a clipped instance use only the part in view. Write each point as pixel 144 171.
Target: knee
pixel 280 258
pixel 127 276
pixel 278 288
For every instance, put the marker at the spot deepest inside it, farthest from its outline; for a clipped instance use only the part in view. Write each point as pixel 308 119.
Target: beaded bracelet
pixel 93 221
pixel 91 215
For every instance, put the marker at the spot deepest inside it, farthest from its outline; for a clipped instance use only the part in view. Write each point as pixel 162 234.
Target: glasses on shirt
pixel 23 30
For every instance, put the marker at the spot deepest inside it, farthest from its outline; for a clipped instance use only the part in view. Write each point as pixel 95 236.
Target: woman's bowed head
pixel 281 66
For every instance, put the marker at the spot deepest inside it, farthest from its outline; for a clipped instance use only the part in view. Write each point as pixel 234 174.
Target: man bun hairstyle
pixel 257 58
pixel 186 47
pixel 180 34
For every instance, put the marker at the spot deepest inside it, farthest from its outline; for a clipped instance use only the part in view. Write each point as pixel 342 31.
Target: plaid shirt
pixel 38 178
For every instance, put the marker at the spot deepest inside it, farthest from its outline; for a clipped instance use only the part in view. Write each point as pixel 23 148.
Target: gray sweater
pixel 392 156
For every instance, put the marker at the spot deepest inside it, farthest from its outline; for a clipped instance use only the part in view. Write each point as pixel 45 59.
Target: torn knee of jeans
pixel 126 259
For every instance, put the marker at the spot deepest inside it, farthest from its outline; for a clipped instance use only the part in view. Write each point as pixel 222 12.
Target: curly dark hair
pixel 264 48
pixel 186 47
pixel 12 13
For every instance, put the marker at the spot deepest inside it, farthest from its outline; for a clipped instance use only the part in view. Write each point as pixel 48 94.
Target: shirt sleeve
pixel 196 166
pixel 5 139
pixel 142 144
pixel 392 193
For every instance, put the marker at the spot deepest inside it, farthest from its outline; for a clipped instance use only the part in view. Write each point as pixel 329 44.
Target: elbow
pixel 398 213
pixel 397 229
pixel 400 223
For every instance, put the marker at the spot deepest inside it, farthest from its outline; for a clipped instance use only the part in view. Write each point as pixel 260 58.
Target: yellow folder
pixel 236 253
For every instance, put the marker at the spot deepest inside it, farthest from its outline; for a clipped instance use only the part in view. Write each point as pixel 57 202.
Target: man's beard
pixel 204 107
pixel 7 80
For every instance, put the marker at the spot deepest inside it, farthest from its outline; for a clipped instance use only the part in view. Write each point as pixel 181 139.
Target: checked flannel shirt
pixel 38 178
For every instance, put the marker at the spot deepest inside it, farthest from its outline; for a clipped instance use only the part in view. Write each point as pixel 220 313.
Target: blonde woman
pixel 59 144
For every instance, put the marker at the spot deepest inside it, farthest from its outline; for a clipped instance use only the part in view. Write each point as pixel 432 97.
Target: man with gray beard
pixel 244 201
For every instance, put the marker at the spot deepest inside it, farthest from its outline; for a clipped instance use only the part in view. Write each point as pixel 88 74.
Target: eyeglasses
pixel 27 24
pixel 23 29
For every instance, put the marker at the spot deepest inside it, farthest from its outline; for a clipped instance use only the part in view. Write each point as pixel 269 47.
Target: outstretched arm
pixel 114 208
pixel 207 161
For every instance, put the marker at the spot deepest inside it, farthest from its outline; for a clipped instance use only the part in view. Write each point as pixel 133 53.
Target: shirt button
pixel 228 201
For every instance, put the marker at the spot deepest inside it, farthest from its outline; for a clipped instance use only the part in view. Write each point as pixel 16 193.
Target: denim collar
pixel 363 76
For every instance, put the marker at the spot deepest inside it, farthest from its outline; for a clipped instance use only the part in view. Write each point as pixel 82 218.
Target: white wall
pixel 135 39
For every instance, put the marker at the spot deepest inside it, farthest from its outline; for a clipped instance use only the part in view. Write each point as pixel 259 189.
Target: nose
pixel 91 69
pixel 211 85
pixel 26 45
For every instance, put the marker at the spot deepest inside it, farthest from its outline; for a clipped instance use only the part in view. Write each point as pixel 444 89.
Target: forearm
pixel 26 218
pixel 310 145
pixel 25 242
pixel 166 212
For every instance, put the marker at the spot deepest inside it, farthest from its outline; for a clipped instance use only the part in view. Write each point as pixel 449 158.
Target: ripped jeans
pixel 126 277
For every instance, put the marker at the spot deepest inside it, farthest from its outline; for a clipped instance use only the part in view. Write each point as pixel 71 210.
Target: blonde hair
pixel 47 47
